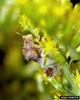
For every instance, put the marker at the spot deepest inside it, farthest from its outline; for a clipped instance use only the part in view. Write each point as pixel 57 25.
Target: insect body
pixel 32 51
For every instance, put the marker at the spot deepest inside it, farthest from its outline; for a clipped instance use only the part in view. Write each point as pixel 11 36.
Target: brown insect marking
pixel 49 72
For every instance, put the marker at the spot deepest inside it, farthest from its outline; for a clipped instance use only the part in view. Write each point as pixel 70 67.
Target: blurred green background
pixel 21 80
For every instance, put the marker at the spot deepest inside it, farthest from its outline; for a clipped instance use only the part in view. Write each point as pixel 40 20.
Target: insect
pixel 32 51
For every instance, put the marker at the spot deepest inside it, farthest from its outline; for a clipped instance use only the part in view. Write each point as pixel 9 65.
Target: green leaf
pixel 58 56
pixel 69 77
pixel 75 40
pixel 57 85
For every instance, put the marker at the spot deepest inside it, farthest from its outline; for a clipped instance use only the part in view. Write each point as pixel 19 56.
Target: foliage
pixel 58 23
